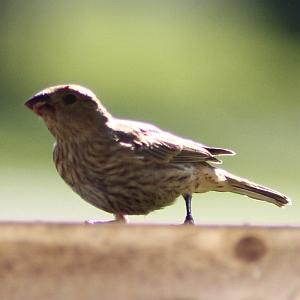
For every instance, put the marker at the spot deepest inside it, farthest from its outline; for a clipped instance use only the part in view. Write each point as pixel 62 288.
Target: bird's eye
pixel 70 99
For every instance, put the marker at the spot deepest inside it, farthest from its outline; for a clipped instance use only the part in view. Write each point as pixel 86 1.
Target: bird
pixel 127 167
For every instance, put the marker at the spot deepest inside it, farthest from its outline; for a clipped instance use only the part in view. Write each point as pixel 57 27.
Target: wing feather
pixel 152 144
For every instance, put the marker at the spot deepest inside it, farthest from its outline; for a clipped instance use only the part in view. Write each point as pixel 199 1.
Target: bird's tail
pixel 253 190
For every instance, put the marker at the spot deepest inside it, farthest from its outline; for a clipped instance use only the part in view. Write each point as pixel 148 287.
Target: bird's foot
pixel 118 219
pixel 189 220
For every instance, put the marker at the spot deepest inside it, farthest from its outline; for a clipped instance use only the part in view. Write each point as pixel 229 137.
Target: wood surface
pixel 116 261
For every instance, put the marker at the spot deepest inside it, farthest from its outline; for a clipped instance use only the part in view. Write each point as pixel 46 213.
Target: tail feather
pixel 250 189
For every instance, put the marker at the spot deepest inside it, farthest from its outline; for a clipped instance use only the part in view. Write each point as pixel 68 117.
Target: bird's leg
pixel 188 204
pixel 118 219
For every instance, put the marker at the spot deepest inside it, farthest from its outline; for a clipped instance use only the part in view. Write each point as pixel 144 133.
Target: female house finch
pixel 131 168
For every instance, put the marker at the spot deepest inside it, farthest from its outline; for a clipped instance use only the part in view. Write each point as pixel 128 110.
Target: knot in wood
pixel 250 249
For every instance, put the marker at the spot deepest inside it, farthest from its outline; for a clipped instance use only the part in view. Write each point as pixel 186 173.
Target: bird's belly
pixel 139 191
pixel 129 200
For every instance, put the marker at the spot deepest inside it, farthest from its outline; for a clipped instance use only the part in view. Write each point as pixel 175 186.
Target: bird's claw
pixel 118 219
pixel 189 220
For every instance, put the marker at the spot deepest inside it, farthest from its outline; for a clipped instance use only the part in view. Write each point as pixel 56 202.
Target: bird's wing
pixel 149 143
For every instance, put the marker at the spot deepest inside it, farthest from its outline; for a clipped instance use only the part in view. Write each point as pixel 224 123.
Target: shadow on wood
pixel 112 261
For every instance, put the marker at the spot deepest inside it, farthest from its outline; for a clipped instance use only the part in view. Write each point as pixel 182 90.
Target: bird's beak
pixel 39 103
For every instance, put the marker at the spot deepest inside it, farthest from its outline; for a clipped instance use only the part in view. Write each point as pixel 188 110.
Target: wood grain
pixel 113 261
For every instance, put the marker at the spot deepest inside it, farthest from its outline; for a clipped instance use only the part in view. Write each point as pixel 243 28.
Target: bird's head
pixel 68 109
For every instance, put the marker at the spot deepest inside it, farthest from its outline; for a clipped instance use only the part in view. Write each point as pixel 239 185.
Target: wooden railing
pixel 114 261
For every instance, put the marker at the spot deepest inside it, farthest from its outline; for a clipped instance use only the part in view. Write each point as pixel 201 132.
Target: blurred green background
pixel 224 73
